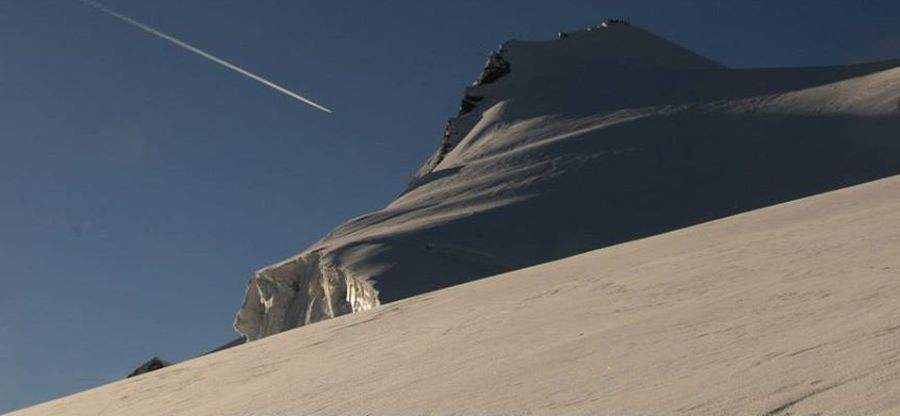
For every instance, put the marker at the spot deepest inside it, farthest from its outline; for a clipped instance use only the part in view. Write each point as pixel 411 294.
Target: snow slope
pixel 791 309
pixel 598 138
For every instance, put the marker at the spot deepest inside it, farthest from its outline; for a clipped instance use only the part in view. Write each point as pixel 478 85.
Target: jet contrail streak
pixel 200 52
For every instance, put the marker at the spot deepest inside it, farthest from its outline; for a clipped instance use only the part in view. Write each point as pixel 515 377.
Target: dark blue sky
pixel 141 185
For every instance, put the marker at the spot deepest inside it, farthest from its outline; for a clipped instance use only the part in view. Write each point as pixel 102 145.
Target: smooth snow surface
pixel 791 309
pixel 595 139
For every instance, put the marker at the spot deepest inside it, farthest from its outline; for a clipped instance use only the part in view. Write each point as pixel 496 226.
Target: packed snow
pixel 791 309
pixel 594 139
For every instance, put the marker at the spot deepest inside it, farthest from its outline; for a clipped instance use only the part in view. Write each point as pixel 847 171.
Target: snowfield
pixel 791 309
pixel 579 143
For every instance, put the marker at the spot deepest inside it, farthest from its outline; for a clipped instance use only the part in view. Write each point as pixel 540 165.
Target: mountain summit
pixel 592 139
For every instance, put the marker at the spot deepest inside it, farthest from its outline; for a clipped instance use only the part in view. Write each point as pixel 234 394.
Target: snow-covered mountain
pixel 589 140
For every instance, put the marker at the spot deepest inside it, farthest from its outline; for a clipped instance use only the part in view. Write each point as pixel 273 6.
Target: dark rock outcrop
pixel 495 68
pixel 153 364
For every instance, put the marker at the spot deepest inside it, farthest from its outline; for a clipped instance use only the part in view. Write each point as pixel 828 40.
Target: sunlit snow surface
pixel 787 310
pixel 598 138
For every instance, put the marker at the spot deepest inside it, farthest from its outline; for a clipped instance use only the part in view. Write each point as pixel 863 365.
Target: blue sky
pixel 141 185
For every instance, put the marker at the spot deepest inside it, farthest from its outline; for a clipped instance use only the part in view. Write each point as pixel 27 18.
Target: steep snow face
pixel 597 138
pixel 607 50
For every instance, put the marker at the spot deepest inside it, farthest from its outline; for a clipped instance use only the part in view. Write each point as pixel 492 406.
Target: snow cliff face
pixel 300 291
pixel 593 139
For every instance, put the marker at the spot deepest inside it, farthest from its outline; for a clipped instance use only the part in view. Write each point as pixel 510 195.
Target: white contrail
pixel 200 52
